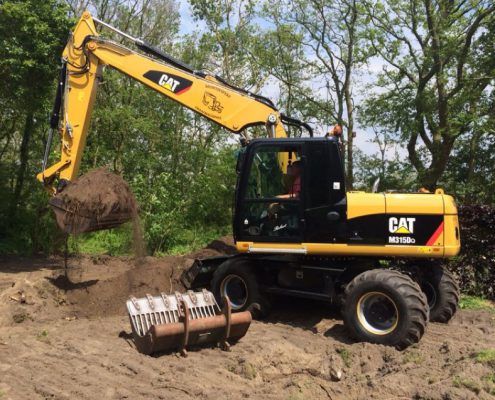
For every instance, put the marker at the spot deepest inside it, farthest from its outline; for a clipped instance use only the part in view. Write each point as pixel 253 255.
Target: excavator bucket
pixel 174 322
pixel 97 200
pixel 80 220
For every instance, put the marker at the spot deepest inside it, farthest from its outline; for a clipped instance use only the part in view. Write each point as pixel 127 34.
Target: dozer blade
pixel 173 322
pixel 80 221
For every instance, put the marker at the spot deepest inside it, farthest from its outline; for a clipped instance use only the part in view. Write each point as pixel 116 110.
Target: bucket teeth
pixel 150 301
pixel 166 301
pixel 168 322
pixel 135 303
pixel 192 296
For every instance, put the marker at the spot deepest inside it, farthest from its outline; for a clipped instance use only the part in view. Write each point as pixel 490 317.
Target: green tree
pixel 435 77
pixel 173 159
pixel 32 36
pixel 279 51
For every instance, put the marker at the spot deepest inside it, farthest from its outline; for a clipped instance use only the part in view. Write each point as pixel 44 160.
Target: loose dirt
pixel 70 338
pixel 98 199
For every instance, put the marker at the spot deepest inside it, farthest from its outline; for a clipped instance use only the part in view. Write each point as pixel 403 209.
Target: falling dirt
pixel 69 337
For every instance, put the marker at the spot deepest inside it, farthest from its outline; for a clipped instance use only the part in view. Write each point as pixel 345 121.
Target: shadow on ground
pixel 16 264
pixel 64 283
pixel 312 315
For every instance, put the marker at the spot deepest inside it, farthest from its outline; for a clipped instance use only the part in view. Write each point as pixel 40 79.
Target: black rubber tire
pixel 405 295
pixel 442 291
pixel 256 303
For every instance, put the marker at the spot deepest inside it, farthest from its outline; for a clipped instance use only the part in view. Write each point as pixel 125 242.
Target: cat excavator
pixel 297 230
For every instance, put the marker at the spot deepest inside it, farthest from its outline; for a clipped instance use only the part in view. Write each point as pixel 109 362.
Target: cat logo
pixel 170 82
pixel 403 225
pixel 167 82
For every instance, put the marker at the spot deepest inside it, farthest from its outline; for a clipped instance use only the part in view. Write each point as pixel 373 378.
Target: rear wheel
pixel 237 280
pixel 442 292
pixel 385 307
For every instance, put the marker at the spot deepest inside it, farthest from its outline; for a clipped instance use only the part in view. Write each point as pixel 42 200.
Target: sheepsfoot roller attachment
pixel 173 322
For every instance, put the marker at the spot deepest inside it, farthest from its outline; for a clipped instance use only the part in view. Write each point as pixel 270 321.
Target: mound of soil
pixel 97 200
pixel 100 286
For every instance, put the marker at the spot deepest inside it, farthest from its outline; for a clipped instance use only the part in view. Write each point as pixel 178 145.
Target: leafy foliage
pixel 32 36
pixel 437 81
pixel 474 267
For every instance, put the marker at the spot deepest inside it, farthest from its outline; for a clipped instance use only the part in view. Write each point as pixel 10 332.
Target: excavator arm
pixel 83 59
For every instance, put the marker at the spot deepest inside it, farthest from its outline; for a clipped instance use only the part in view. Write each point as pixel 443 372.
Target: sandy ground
pixel 70 339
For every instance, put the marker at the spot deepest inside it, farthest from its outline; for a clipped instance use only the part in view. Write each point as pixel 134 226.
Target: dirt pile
pixel 100 286
pixel 97 200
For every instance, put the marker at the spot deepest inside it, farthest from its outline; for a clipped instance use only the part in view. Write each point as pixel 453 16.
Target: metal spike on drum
pixel 173 322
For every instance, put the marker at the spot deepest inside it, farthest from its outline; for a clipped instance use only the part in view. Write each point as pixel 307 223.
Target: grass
pixel 43 335
pixel 490 383
pixel 412 357
pixel 346 356
pixel 112 242
pixel 490 378
pixel 249 371
pixel 468 383
pixel 476 303
pixel 189 240
pixel 118 242
pixel 244 369
pixel 485 357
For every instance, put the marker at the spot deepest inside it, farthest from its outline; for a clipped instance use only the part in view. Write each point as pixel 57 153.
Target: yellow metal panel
pixel 451 235
pixel 412 203
pixel 449 204
pixel 234 110
pixel 339 249
pixel 360 204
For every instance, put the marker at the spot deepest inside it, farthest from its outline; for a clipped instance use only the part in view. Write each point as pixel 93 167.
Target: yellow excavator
pixel 297 230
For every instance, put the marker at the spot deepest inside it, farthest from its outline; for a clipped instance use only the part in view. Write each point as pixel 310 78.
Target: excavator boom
pixel 83 58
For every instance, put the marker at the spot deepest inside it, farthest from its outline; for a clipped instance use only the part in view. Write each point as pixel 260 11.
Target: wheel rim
pixel 430 292
pixel 377 313
pixel 234 287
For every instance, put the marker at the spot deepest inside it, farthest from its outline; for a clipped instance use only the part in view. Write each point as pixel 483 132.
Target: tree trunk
pixel 23 161
pixel 350 140
pixel 429 177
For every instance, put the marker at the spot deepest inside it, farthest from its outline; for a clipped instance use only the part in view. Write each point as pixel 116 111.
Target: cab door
pixel 270 200
pixel 325 211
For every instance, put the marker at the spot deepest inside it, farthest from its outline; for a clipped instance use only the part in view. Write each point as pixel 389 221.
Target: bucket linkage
pixel 174 322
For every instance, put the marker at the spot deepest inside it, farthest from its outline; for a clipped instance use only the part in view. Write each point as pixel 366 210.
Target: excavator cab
pixel 276 205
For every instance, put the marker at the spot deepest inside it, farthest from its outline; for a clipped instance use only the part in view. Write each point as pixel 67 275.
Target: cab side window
pixel 271 206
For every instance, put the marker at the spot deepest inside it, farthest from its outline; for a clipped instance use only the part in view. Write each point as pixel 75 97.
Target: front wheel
pixel 385 307
pixel 237 281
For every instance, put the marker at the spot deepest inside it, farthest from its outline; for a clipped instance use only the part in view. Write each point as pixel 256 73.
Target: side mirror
pixel 333 216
